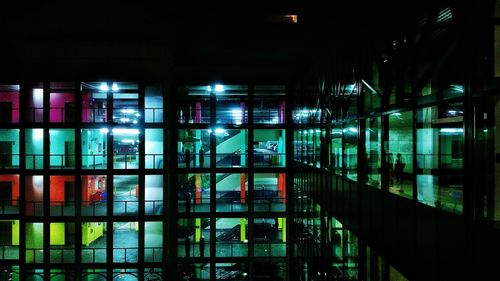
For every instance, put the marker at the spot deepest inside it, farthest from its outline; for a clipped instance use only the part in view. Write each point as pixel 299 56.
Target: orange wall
pixel 15 186
pixel 57 188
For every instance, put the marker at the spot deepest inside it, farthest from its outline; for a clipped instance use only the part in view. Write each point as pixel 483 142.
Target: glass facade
pixel 103 180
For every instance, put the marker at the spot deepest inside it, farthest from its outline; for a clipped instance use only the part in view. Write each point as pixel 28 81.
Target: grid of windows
pixel 86 180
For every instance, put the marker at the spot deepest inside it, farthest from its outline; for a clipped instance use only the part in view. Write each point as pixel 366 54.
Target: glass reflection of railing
pixel 231 249
pixel 269 159
pixel 94 161
pixel 94 208
pixel 34 114
pixel 231 205
pixel 9 207
pixel 269 116
pixel 34 161
pixel 94 115
pixel 93 255
pixel 154 161
pixel 153 115
pixel 231 116
pixel 193 116
pixel 34 208
pixel 153 254
pixel 153 207
pixel 62 161
pixel 125 254
pixel 195 205
pixel 14 117
pixel 125 208
pixel 9 161
pixel 272 249
pixel 266 204
pixel 231 160
pixel 193 158
pixel 34 255
pixel 129 161
pixel 194 249
pixel 9 252
pixel 62 115
pixel 62 208
pixel 439 161
pixel 62 255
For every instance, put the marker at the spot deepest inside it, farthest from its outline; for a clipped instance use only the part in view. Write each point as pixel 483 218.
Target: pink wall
pixel 57 104
pixel 13 98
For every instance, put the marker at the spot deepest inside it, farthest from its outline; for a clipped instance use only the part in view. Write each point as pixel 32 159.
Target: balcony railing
pixel 194 158
pixel 125 208
pixel 34 114
pixel 9 161
pixel 125 255
pixel 126 160
pixel 154 161
pixel 154 207
pixel 153 254
pixel 34 161
pixel 9 207
pixel 266 204
pixel 153 115
pixel 62 115
pixel 62 208
pixel 34 208
pixel 94 208
pixel 193 116
pixel 271 249
pixel 9 252
pixel 94 115
pixel 269 116
pixel 195 205
pixel 94 161
pixel 62 255
pixel 62 161
pixel 231 249
pixel 34 255
pixel 93 255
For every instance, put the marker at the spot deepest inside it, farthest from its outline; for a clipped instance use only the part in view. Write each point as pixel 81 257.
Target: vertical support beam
pixel 142 172
pixel 23 96
pixel 46 177
pixel 197 183
pixel 110 184
pixel 243 188
pixel 289 217
pixel 78 176
pixel 243 229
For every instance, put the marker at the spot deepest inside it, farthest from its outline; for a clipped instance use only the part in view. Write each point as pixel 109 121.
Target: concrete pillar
pixel 243 228
pixel 197 183
pixel 243 188
pixel 197 233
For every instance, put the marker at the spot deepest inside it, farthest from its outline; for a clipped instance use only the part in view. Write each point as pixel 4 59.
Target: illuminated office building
pixel 300 142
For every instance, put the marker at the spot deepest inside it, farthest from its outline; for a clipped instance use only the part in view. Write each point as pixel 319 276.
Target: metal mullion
pixel 213 168
pixel 46 178
pixel 109 184
pixel 289 175
pixel 141 179
pixel 250 174
pixel 22 183
pixel 78 177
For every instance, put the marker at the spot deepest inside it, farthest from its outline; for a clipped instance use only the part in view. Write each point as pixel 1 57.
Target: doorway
pixel 5 193
pixel 69 112
pixel 5 112
pixel 69 153
pixel 69 192
pixel 6 153
pixel 5 232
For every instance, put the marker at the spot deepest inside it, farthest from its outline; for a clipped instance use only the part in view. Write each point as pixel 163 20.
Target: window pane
pixel 399 152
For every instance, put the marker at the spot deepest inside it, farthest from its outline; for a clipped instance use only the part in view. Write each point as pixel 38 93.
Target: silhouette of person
pixel 399 166
pixel 187 246
pixel 202 246
pixel 389 165
pixel 187 201
pixel 188 158
pixel 201 152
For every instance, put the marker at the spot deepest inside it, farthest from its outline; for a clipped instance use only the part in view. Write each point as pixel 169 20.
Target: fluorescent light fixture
pixel 209 131
pixel 137 114
pixel 219 88
pixel 128 110
pixel 396 114
pixel 114 87
pixel 104 130
pixel 124 120
pixel 219 131
pixel 38 95
pixel 122 131
pixel 209 88
pixel 128 141
pixel 135 121
pixel 104 87
pixel 352 130
pixel 452 112
pixel 451 130
pixel 37 134
pixel 317 131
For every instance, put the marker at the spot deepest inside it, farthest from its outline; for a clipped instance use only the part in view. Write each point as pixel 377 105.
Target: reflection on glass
pixel 399 154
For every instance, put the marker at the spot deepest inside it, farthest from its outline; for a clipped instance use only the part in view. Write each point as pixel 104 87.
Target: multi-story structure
pixel 161 141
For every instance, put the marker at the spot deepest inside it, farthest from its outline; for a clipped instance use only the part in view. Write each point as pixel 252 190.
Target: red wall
pixel 88 191
pixel 57 188
pixel 14 99
pixel 15 186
